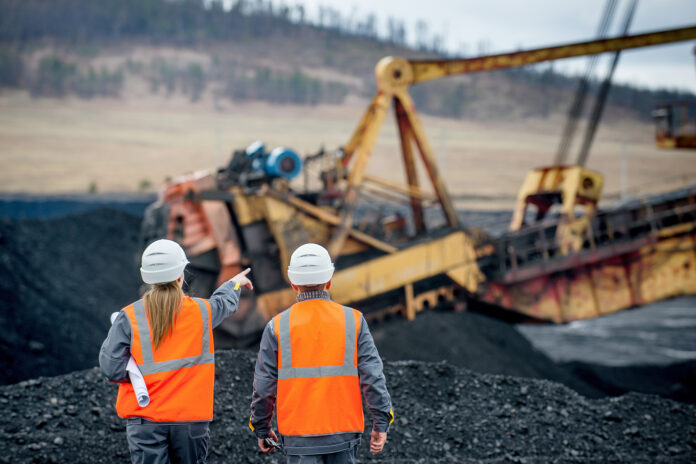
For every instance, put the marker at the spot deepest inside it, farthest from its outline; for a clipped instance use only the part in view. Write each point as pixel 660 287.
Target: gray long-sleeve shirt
pixel 372 384
pixel 115 351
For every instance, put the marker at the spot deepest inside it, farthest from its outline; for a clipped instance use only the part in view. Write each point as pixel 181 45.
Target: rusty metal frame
pixel 416 130
pixel 363 140
pixel 331 219
pixel 452 254
pixel 406 136
pixel 394 76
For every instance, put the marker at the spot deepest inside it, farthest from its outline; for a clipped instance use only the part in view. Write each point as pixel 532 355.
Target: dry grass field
pixel 65 145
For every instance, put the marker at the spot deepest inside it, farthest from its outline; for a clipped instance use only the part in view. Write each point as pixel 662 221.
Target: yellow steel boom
pixel 426 70
pixel 395 75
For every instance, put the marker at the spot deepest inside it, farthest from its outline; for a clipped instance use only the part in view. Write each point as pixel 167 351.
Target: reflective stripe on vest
pixel 346 370
pixel 149 366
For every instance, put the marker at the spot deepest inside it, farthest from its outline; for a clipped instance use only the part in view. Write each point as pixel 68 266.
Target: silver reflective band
pixel 289 372
pixel 149 366
pixel 350 337
pixel 144 330
pixel 205 348
pixel 319 371
pixel 174 364
pixel 285 351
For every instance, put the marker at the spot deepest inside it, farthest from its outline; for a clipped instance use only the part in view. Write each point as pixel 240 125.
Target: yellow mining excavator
pixel 575 265
pixel 675 124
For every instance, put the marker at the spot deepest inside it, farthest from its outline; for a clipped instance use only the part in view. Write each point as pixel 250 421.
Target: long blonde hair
pixel 163 303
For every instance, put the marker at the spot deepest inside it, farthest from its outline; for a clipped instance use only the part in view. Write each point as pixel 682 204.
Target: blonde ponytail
pixel 163 303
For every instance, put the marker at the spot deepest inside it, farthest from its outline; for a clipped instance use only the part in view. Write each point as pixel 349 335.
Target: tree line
pixel 199 22
pixel 180 21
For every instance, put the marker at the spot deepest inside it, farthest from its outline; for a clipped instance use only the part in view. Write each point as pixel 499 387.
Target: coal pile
pixel 443 414
pixel 485 344
pixel 29 205
pixel 676 381
pixel 474 341
pixel 61 278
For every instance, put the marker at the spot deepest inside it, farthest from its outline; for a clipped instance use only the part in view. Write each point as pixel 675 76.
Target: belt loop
pixel 135 420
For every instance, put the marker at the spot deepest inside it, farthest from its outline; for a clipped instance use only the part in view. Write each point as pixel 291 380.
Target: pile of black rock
pixel 443 414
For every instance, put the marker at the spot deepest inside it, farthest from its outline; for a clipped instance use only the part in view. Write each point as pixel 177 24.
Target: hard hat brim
pixel 310 278
pixel 163 276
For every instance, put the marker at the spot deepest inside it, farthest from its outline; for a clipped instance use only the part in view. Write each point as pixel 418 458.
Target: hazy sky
pixel 511 24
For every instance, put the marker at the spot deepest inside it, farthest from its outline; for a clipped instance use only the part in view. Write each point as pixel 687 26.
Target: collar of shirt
pixel 313 295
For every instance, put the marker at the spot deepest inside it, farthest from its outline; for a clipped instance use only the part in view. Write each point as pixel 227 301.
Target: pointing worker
pixel 170 336
pixel 313 362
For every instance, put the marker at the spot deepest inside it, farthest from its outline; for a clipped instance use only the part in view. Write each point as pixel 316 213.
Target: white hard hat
pixel 163 261
pixel 310 264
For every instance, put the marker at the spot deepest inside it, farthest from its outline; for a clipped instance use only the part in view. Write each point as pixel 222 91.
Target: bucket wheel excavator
pixel 401 259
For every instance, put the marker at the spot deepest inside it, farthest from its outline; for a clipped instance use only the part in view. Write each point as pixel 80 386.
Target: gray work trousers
pixel 348 456
pixel 156 443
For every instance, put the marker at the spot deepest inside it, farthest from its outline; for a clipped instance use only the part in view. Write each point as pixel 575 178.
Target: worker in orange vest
pixel 313 362
pixel 170 337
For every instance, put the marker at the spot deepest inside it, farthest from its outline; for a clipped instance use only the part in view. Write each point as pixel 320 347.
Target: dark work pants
pixel 153 443
pixel 342 457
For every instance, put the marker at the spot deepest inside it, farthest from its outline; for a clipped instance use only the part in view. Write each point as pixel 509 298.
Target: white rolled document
pixel 136 378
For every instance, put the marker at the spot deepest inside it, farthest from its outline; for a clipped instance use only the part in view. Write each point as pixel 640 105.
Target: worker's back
pixel 318 385
pixel 180 373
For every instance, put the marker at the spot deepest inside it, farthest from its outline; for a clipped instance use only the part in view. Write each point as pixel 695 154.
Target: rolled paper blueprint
pixel 136 378
pixel 139 387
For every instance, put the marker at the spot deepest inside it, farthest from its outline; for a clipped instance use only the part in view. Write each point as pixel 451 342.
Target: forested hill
pixel 257 50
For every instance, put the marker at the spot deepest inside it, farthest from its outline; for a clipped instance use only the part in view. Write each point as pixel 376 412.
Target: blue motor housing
pixel 283 162
pixel 255 149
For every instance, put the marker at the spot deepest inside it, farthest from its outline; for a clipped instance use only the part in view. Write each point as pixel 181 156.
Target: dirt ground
pixel 66 145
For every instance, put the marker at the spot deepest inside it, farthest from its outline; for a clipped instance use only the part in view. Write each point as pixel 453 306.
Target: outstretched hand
pixel 377 441
pixel 242 279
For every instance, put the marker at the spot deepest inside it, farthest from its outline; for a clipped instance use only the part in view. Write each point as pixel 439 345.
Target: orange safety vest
pixel 318 387
pixel 180 375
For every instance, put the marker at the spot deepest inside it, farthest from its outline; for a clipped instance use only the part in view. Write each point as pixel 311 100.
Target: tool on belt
pixel 272 443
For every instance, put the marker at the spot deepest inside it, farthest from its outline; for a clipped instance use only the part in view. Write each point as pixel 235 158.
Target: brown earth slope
pixel 66 145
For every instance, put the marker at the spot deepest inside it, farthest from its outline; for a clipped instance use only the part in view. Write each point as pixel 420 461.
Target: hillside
pixel 117 96
pixel 254 52
pixel 107 145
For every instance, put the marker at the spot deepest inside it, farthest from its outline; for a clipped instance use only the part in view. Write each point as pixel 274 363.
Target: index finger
pixel 245 271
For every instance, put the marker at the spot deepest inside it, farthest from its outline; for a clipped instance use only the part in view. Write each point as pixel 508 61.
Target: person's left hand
pixel 242 279
pixel 377 441
pixel 262 445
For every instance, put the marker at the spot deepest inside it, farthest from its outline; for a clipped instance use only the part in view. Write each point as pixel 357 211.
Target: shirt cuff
pixel 260 432
pixel 383 421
